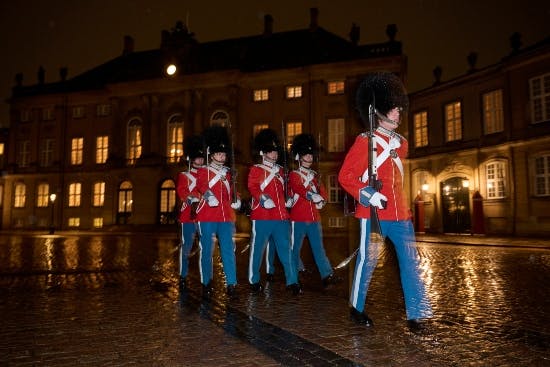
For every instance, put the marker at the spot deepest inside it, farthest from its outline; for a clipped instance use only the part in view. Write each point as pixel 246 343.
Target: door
pixel 455 204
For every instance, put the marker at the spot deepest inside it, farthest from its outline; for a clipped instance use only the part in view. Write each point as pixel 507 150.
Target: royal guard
pixel 269 215
pixel 216 210
pixel 308 196
pixel 381 100
pixel 186 187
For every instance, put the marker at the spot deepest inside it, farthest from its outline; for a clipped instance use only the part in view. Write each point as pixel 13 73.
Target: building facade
pixel 109 143
pixel 480 147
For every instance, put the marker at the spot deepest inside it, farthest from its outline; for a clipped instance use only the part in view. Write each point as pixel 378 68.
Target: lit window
pixel 539 92
pixel 19 195
pixel 493 114
pixel 78 112
pixel 103 110
pixel 101 149
pixel 258 127
pixel 496 180
pixel 77 149
pixel 336 222
pixel 336 87
pixel 175 139
pixel 98 194
pixel 125 197
pixel 73 222
pixel 335 193
pixel 46 153
pixel 75 190
pixel 220 118
pixel 293 128
pixel 453 121
pixel 167 202
pixel 294 92
pixel 24 153
pixel 42 195
pixel 421 129
pixel 261 95
pixel 98 222
pixel 542 175
pixel 336 132
pixel 1 148
pixel 134 141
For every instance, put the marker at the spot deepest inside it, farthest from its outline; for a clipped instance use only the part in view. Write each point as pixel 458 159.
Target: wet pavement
pixel 113 300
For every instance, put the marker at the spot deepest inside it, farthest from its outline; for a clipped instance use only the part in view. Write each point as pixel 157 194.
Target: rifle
pixel 233 168
pixel 285 163
pixel 375 229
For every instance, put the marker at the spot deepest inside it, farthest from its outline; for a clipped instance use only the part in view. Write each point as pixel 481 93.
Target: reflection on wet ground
pixel 491 307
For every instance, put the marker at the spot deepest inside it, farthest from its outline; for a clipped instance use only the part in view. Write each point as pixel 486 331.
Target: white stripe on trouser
pixel 359 267
pixel 252 247
pixel 200 252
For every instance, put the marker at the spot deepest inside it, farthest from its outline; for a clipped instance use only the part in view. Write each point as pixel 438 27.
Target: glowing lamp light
pixel 171 69
pixel 466 183
pixel 425 187
pixel 53 197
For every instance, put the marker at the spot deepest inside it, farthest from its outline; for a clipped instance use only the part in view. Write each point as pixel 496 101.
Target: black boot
pixel 360 317
pixel 270 277
pixel 295 288
pixel 206 291
pixel 232 291
pixel 330 280
pixel 182 282
pixel 256 287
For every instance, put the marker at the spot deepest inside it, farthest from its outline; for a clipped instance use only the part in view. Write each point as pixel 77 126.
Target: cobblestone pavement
pixel 114 301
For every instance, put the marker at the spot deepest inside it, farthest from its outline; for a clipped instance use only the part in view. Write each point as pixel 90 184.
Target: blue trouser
pixel 188 231
pixel 315 234
pixel 401 233
pixel 270 258
pixel 279 230
pixel 225 232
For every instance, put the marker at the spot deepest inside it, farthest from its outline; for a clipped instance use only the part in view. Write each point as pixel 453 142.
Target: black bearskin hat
pixel 193 146
pixel 303 144
pixel 267 141
pixel 216 139
pixel 383 89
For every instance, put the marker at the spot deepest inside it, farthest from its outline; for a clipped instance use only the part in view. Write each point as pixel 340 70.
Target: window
pixel 167 202
pixel 24 153
pixel 2 147
pixel 1 195
pixel 453 121
pixel 336 222
pixel 496 180
pixel 73 222
pixel 98 197
pixel 260 95
pixel 219 118
pixel 101 149
pixel 77 148
pixel 336 130
pixel 335 193
pixel 539 92
pixel 542 175
pixel 257 128
pixel 125 197
pixel 493 114
pixel 292 129
pixel 98 222
pixel 78 112
pixel 47 114
pixel 336 87
pixel 46 154
pixel 24 116
pixel 175 139
pixel 103 110
pixel 294 92
pixel 134 141
pixel 42 195
pixel 75 190
pixel 421 129
pixel 19 195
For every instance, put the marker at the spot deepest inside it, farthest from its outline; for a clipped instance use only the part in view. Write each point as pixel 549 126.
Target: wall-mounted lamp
pixel 425 186
pixel 171 69
pixel 465 183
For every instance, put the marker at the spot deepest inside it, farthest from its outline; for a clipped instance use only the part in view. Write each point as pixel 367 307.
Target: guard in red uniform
pixel 386 94
pixel 269 215
pixel 308 197
pixel 216 210
pixel 186 188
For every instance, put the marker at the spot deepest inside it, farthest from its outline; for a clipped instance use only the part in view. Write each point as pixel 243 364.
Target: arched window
pixel 219 117
pixel 125 197
pixel 167 202
pixel 175 139
pixel 134 140
pixel 42 195
pixel 496 173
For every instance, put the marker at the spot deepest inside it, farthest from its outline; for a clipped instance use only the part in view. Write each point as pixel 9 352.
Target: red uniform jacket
pixel 353 175
pixel 267 180
pixel 186 187
pixel 302 181
pixel 219 182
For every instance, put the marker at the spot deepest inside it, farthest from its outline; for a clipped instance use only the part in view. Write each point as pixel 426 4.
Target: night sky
pixel 81 34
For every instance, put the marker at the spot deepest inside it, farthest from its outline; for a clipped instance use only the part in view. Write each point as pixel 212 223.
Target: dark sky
pixel 81 34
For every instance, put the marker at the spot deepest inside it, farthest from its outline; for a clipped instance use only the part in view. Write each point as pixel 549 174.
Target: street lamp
pixel 52 200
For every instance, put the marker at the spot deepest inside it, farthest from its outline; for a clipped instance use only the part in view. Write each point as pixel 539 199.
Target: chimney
pixel 437 74
pixel 41 75
pixel 63 72
pixel 313 19
pixel 128 46
pixel 268 25
pixel 472 60
pixel 354 34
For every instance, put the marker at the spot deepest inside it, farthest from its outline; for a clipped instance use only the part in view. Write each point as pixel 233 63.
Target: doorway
pixel 455 202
